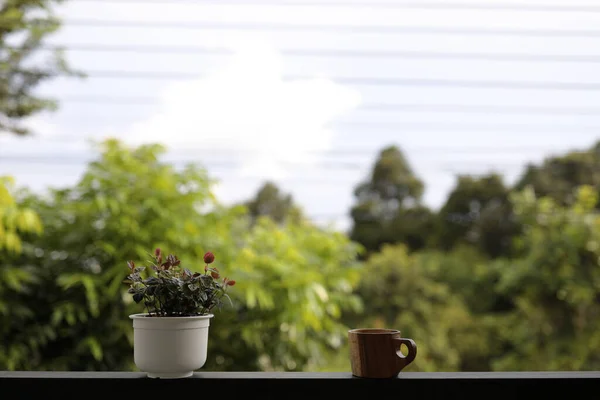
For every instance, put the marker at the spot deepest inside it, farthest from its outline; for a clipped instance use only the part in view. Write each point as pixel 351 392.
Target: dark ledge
pixel 286 385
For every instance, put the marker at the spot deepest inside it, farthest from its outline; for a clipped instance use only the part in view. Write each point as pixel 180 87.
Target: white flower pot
pixel 170 347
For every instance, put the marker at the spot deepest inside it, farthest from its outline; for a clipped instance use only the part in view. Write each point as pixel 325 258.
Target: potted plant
pixel 170 339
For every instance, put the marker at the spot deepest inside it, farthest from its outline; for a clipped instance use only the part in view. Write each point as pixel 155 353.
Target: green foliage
pixel 535 309
pixel 477 303
pixel 24 25
pixel 555 284
pixel 269 201
pixel 477 212
pixel 17 280
pixel 295 279
pixel 405 291
pixel 388 208
pixel 126 202
pixel 14 220
pixel 558 177
pixel 172 290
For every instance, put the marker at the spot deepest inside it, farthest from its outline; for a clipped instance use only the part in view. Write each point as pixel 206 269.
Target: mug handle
pixel 402 360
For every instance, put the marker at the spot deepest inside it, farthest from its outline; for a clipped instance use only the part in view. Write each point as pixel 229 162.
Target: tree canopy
pixel 477 211
pixel 271 202
pixel 24 25
pixel 559 176
pixel 293 281
pixel 388 205
pixel 516 287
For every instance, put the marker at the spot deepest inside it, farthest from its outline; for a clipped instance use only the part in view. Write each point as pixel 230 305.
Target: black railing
pixel 313 386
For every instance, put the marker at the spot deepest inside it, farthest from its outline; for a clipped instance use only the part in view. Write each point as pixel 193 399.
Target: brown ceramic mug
pixel 375 353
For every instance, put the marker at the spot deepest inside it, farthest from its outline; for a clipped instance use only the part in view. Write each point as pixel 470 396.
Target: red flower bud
pixel 157 252
pixel 214 274
pixel 209 257
pixel 230 283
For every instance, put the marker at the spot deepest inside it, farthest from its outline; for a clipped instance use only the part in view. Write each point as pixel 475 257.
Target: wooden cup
pixel 375 353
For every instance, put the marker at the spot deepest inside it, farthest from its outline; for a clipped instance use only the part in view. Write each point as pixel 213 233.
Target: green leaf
pixel 95 348
pixel 139 296
pixel 152 280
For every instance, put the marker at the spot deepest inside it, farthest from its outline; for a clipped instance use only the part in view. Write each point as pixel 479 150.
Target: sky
pixel 273 90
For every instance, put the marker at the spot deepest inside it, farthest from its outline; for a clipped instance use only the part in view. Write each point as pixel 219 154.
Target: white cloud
pixel 247 109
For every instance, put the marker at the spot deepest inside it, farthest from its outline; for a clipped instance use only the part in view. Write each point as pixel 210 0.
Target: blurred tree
pixel 477 212
pixel 14 220
pixel 402 290
pixel 388 206
pixel 558 177
pixel 24 24
pixel 271 202
pixel 555 284
pixel 472 277
pixel 293 280
pixel 17 224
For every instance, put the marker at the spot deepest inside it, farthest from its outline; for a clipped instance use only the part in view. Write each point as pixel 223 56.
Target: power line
pixel 361 151
pixel 230 165
pixel 342 53
pixel 275 26
pixel 401 127
pixel 364 81
pixel 460 126
pixel 377 107
pixel 120 100
pixel 375 4
pixel 481 109
pixel 335 152
pixel 305 181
